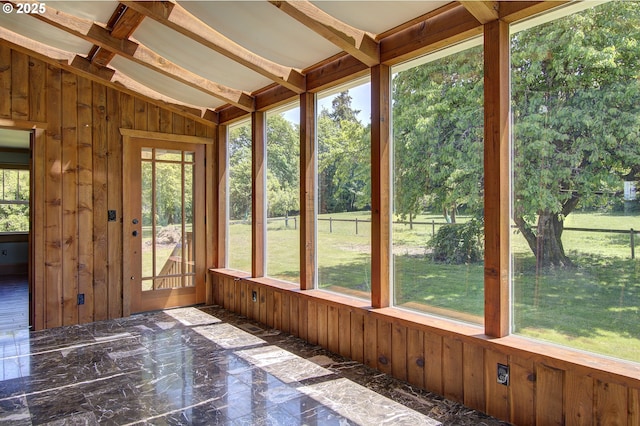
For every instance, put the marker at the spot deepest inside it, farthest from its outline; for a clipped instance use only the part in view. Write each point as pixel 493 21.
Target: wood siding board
pixel 370 341
pixel 85 200
pixel 415 357
pixel 70 199
pixel 5 81
pixel 189 127
pixel 269 307
pixel 611 403
pixel 238 295
pixel 294 323
pixel 114 202
pixel 177 124
pixel 452 369
pixel 53 200
pixel 433 353
pixel 383 342
pixel 128 111
pixel 141 116
pixel 166 125
pixel 357 337
pixel 344 332
pixel 100 206
pixel 322 315
pixel 262 298
pixel 277 310
pixel 399 350
pixel 473 372
pixel 312 322
pixel 333 330
pixel 549 396
pixel 634 407
pixel 521 392
pixel 153 118
pixel 286 312
pixel 255 310
pixel 37 90
pixel 579 399
pixel 19 86
pixel 303 318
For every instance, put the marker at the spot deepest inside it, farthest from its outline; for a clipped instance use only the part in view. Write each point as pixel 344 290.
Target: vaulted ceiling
pixel 213 54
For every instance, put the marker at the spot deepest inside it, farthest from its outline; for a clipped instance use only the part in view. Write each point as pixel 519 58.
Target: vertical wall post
pixel 307 191
pixel 211 215
pixel 380 186
pixel 497 185
pixel 258 179
pixel 221 199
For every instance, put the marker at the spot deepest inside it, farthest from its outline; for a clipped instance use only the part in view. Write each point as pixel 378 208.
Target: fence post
pixel 295 223
pixel 411 221
pixel 433 228
pixel 286 222
pixel 633 244
pixel 330 224
pixel 356 226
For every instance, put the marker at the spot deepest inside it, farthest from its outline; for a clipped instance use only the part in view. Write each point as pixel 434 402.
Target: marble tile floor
pixel 199 366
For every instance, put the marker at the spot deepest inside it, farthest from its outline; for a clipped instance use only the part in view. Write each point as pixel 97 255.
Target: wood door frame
pixel 130 137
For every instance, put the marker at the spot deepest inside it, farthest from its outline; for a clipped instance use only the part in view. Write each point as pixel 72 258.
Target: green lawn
pixel 594 307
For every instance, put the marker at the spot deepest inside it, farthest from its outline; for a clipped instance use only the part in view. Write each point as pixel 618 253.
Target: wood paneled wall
pixel 548 385
pixel 78 176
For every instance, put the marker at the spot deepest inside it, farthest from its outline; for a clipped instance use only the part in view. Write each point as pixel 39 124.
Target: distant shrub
pixel 459 243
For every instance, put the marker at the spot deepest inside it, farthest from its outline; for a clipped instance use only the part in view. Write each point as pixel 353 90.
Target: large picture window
pixel 576 162
pixel 239 193
pixel 283 194
pixel 437 230
pixel 344 190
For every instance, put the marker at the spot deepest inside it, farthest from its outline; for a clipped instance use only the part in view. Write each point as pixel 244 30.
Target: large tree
pixel 576 115
pixel 576 124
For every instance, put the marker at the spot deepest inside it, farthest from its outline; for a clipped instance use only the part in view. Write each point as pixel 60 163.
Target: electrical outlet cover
pixel 503 374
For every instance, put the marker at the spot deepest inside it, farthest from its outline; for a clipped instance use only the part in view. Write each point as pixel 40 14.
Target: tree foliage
pixel 576 124
pixel 576 115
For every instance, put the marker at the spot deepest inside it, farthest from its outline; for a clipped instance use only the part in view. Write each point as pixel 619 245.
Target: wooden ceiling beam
pixel 125 25
pixel 179 19
pixel 352 40
pixel 142 55
pixel 483 11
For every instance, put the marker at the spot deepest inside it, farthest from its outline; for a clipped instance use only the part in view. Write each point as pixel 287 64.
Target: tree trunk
pixel 546 241
pixel 549 249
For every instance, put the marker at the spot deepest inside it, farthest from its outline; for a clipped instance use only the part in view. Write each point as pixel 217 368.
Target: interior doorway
pixel 15 224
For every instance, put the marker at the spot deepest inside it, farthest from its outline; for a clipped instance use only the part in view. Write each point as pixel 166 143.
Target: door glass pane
pixel 168 155
pixel 187 250
pixel 168 216
pixel 147 153
pixel 147 219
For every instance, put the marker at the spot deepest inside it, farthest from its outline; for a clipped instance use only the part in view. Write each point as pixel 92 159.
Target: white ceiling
pixel 258 26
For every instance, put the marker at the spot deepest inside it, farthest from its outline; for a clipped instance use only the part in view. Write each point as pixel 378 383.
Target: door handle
pixel 134 221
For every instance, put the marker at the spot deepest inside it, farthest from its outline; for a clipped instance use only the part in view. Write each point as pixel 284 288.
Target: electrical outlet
pixel 503 374
pixel 81 299
pixel 254 296
pixel 4 252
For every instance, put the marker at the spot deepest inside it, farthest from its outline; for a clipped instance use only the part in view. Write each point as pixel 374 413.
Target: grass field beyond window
pixel 594 307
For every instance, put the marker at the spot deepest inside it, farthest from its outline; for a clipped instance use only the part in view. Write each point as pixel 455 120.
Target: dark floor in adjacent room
pixel 195 366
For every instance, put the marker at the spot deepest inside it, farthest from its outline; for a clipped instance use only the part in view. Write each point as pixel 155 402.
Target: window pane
pixel 576 121
pixel 14 200
pixel 437 229
pixel 283 195
pixel 239 226
pixel 344 191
